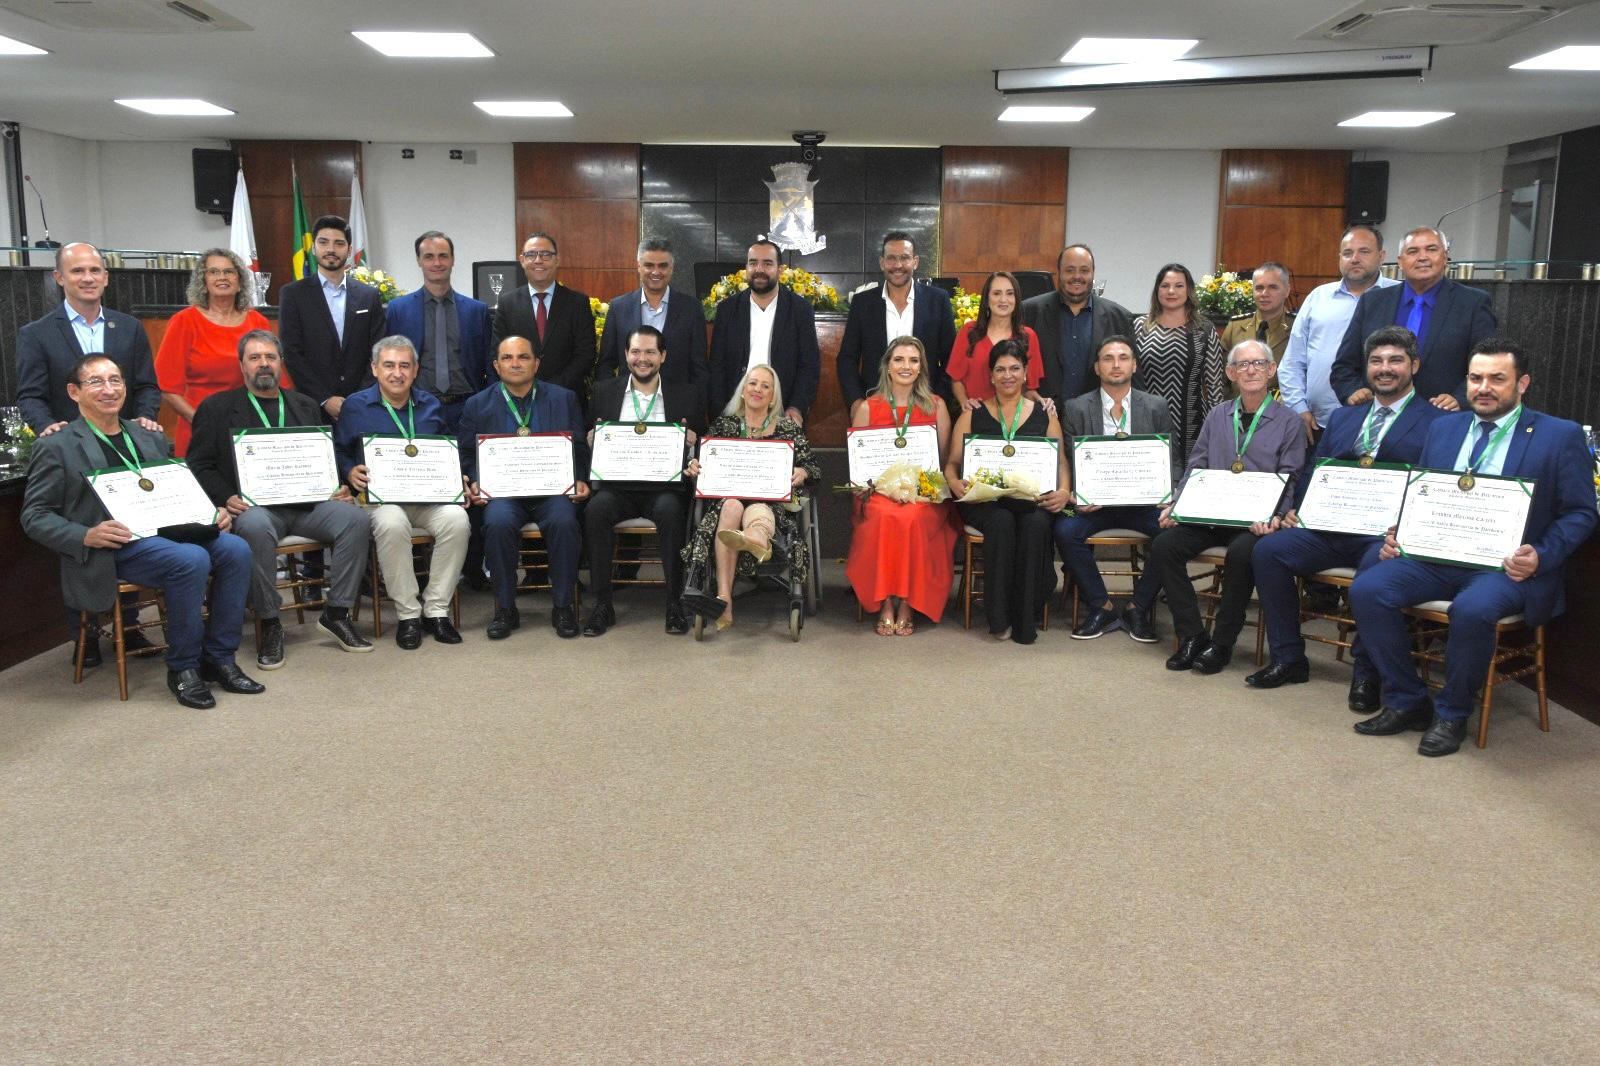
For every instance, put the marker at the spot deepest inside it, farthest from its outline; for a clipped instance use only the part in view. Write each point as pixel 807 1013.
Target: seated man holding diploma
pixel 261 404
pixel 62 511
pixel 1249 433
pixel 1389 428
pixel 1498 436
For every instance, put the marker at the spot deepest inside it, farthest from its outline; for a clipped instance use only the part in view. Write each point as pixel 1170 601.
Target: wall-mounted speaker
pixel 216 171
pixel 1366 193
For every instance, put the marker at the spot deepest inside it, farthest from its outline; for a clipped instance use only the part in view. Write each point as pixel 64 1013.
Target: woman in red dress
pixel 199 355
pixel 998 320
pixel 900 553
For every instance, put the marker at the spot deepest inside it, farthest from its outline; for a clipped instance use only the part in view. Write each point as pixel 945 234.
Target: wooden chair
pixel 89 621
pixel 641 532
pixel 421 559
pixel 1344 624
pixel 972 576
pixel 1136 543
pixel 533 553
pixel 1524 657
pixel 308 592
pixel 1215 559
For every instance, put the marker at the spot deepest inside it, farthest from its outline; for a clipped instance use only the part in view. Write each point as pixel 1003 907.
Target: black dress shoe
pixel 565 621
pixel 1188 652
pixel 269 653
pixel 477 580
pixel 677 621
pixel 1388 722
pixel 230 678
pixel 1139 625
pixel 1275 673
pixel 1214 658
pixel 505 620
pixel 1443 737
pixel 190 689
pixel 1365 695
pixel 704 604
pixel 344 633
pixel 601 617
pixel 408 634
pixel 1101 620
pixel 91 654
pixel 441 630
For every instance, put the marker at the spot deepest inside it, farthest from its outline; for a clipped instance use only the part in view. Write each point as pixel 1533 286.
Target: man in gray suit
pixel 1072 324
pixel 1115 409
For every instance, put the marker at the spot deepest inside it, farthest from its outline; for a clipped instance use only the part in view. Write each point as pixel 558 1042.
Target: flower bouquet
pixel 384 283
pixel 1225 294
pixel 966 307
pixel 986 486
pixel 909 483
pixel 816 292
pixel 599 308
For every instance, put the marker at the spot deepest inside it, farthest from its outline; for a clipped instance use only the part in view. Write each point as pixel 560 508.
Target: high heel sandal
pixel 735 539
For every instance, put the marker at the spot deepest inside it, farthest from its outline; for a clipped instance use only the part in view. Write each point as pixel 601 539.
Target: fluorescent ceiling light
pixel 173 106
pixel 10 46
pixel 1015 113
pixel 1221 70
pixel 524 108
pixel 408 45
pixel 1127 49
pixel 1571 57
pixel 1397 119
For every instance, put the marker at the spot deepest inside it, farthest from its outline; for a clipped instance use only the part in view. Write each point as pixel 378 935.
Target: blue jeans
pixel 1287 553
pixel 180 572
pixel 1072 533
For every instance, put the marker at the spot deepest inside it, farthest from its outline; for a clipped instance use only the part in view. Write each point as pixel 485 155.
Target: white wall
pixel 67 173
pixel 1140 209
pixel 147 197
pixel 1423 186
pixel 474 203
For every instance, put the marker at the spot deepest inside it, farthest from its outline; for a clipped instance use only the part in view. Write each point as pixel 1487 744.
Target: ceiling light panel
pixel 404 44
pixel 1397 119
pixel 181 105
pixel 524 108
pixel 1045 114
pixel 1571 57
pixel 1097 50
pixel 10 46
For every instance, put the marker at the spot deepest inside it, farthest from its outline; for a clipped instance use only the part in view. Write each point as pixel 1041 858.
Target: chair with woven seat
pixel 421 560
pixel 89 621
pixel 1214 559
pixel 1134 541
pixel 1524 657
pixel 972 576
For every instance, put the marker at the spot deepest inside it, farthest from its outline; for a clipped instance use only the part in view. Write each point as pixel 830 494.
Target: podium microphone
pixel 45 241
pixel 1436 225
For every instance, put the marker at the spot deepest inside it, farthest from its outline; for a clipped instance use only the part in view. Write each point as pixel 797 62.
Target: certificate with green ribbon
pixel 412 469
pixel 292 465
pixel 1354 496
pixel 1213 497
pixel 1441 521
pixel 157 494
pixel 1034 457
pixel 517 466
pixel 1122 471
pixel 649 452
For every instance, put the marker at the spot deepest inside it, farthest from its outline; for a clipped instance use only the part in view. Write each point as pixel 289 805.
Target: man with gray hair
pixel 678 318
pixel 392 408
pixel 1269 322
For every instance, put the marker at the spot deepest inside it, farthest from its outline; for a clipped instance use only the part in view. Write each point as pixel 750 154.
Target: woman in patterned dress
pixel 1180 355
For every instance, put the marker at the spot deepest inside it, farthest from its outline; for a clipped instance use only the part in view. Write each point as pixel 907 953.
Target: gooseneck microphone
pixel 45 241
pixel 1463 207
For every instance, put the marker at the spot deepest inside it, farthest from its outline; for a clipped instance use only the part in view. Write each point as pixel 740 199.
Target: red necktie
pixel 540 316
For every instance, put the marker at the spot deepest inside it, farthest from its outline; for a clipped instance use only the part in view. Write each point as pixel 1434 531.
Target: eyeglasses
pixel 220 272
pixel 1251 364
pixel 898 259
pixel 100 383
pixel 538 254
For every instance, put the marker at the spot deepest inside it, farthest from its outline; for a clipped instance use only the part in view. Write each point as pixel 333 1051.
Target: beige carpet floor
pixel 852 849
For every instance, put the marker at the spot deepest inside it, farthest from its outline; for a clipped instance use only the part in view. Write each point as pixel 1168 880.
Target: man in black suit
pixel 556 319
pixel 1072 324
pixel 766 323
pixel 49 347
pixel 1447 319
pixel 677 317
pixel 329 322
pixel 895 308
pixel 645 395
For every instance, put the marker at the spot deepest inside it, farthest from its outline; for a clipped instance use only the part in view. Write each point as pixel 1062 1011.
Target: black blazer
pixel 320 364
pixel 1043 312
pixel 211 438
pixel 866 338
pixel 684 338
pixel 795 355
pixel 1148 413
pixel 566 355
pixel 1462 316
pixel 46 350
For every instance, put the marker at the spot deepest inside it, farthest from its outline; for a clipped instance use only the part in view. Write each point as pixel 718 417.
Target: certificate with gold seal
pixel 1034 457
pixel 412 469
pixel 746 468
pixel 1442 522
pixel 637 451
pixel 1347 496
pixel 173 497
pixel 511 465
pixel 290 465
pixel 874 450
pixel 1122 471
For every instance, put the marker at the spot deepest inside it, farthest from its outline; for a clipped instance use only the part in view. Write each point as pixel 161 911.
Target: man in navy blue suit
pixel 897 307
pixel 438 320
pixel 1499 436
pixel 1389 429
pixel 1447 318
pixel 519 403
pixel 678 318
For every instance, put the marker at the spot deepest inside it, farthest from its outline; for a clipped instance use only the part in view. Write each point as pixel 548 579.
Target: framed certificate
pixel 1223 498
pixel 1037 457
pixel 737 468
pixel 162 494
pixel 1471 520
pixel 418 470
pixel 1345 497
pixel 291 465
pixel 1122 471
pixel 637 451
pixel 539 464
pixel 872 451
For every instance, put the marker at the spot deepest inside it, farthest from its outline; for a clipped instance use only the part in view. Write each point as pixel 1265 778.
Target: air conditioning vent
pixel 1381 22
pixel 127 16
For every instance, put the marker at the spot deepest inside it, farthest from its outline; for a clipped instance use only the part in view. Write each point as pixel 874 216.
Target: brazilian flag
pixel 304 261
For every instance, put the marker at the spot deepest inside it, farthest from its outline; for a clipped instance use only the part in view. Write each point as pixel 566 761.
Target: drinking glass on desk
pixel 1099 286
pixel 496 283
pixel 11 422
pixel 262 281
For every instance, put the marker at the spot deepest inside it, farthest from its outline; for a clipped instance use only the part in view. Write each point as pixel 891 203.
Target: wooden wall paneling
pixel 326 169
pixel 985 237
pixel 599 283
pixel 987 174
pixel 1286 206
pixel 1291 178
pixel 590 233
pixel 1304 239
pixel 587 197
pixel 576 171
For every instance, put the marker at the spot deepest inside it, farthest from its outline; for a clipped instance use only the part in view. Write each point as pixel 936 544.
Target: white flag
pixel 242 235
pixel 358 224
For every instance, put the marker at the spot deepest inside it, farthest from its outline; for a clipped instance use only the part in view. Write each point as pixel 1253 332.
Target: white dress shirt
pixel 1319 326
pixel 761 320
pixel 899 323
pixel 1109 424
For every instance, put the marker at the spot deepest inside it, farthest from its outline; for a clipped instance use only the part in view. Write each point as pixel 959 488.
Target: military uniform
pixel 1248 328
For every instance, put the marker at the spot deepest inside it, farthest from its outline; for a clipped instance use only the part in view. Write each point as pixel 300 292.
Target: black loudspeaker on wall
pixel 216 171
pixel 1366 194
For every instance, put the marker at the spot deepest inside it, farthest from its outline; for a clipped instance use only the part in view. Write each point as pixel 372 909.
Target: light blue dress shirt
pixel 335 295
pixel 1319 326
pixel 91 335
pixel 649 317
pixel 1494 456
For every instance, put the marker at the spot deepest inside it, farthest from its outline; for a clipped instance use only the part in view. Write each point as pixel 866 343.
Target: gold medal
pixel 899 442
pixel 1466 481
pixel 640 428
pixel 1008 451
pixel 523 431
pixel 1366 460
pixel 1238 466
pixel 411 449
pixel 146 484
pixel 1122 434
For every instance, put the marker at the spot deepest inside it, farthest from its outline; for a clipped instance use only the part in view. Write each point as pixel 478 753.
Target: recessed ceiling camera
pixel 808 140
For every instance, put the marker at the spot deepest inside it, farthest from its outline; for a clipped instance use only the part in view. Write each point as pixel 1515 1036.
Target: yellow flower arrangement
pixel 600 309
pixel 802 283
pixel 966 307
pixel 1225 293
pixel 384 283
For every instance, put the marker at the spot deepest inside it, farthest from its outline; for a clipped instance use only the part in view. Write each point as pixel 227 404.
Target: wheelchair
pixel 805 597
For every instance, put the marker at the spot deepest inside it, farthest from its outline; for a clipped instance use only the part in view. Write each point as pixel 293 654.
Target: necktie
pixel 1261 332
pixel 1479 445
pixel 540 316
pixel 1382 419
pixel 1414 320
pixel 441 350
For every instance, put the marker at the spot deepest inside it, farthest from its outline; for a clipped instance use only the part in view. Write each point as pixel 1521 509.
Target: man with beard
pixel 898 307
pixel 1498 436
pixel 1320 327
pixel 643 396
pixel 262 404
pixel 329 322
pixel 768 324
pixel 1390 429
pixel 1072 323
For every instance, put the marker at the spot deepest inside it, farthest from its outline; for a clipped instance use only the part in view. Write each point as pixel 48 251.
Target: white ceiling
pixel 894 72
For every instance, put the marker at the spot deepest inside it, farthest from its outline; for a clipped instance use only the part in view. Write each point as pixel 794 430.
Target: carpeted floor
pixel 852 849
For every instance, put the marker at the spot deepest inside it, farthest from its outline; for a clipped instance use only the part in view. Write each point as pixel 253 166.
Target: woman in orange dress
pixel 199 355
pixel 900 553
